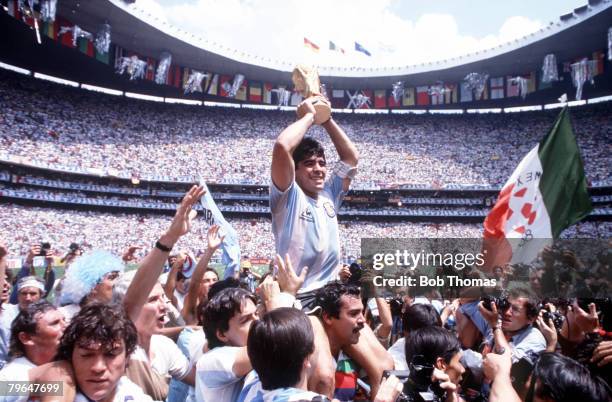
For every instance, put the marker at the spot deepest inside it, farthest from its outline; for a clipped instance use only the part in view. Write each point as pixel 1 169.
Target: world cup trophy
pixel 306 81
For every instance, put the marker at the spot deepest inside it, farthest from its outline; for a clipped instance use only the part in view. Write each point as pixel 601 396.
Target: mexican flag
pixel 546 193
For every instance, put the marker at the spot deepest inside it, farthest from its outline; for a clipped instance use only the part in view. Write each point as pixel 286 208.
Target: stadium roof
pixel 573 35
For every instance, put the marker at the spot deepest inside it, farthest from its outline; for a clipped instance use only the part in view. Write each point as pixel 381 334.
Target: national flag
pixel 222 80
pixel 214 84
pixel 230 247
pixel 485 93
pixel 367 93
pixel 362 49
pixel 392 102
pixel 255 92
pixel 422 96
pixel 119 54
pixel 542 84
pixel 174 76
pixel 437 97
pixel 242 91
pixel 13 9
pixel 338 98
pixel 512 87
pixel 466 92
pixel 186 74
pixel 267 93
pixel 50 29
pixel 335 48
pixel 66 37
pixel 150 70
pixel 408 98
pixel 546 193
pixel 450 96
pixel 311 45
pixel 531 81
pixel 598 63
pixel 102 57
pixel 380 100
pixel 497 88
pixel 86 46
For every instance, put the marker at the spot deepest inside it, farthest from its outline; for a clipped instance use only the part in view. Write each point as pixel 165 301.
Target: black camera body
pixel 417 384
pixel 44 247
pixel 502 303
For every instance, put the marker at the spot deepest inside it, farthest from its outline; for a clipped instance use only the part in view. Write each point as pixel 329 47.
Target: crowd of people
pixel 26 226
pixel 310 327
pixel 61 126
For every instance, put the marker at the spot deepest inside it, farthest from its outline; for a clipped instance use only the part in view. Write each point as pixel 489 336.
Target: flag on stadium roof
pixel 546 193
pixel 362 49
pixel 335 48
pixel 311 45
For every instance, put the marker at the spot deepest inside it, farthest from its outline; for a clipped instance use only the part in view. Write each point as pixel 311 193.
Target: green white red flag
pixel 546 193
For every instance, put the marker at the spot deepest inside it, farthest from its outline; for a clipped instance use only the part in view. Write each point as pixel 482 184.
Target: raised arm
pixel 191 300
pixel 344 146
pixel 283 169
pixel 151 266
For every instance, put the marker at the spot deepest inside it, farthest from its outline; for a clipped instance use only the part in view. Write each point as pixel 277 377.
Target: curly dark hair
pixel 328 297
pixel 307 148
pixel 101 323
pixel 26 321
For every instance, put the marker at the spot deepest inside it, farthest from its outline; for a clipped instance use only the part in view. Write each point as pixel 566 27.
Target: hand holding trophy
pixel 306 81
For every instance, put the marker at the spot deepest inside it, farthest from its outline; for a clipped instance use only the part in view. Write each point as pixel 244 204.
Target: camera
pixel 418 386
pixel 556 317
pixel 44 247
pixel 502 303
pixel 356 273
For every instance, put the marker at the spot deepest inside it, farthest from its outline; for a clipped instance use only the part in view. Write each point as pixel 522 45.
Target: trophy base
pixel 322 108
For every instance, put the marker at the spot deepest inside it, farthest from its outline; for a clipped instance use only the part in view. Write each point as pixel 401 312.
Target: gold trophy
pixel 306 81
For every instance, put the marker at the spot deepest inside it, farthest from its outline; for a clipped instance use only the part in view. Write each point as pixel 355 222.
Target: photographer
pixel 433 355
pixel 512 324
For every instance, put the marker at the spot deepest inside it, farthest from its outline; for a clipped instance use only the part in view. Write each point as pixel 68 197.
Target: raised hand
pixel 288 281
pixel 214 238
pixel 181 224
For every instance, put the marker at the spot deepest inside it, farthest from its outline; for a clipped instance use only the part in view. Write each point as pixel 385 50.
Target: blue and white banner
pixel 230 247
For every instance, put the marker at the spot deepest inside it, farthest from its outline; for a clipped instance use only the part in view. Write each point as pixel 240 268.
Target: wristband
pixel 161 247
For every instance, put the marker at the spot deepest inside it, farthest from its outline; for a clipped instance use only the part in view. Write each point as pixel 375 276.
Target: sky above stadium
pixel 395 32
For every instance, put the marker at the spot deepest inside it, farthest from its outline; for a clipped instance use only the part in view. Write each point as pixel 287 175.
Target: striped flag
pixel 422 96
pixel 497 88
pixel 242 91
pixel 311 45
pixel 450 95
pixel 335 48
pixel 360 48
pixel 255 92
pixel 380 98
pixel 214 84
pixel 408 98
pixel 267 93
pixel 86 46
pixel 546 193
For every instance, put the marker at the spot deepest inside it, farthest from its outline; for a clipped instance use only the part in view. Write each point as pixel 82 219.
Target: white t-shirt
pixel 215 378
pixel 307 230
pixel 168 360
pixel 126 391
pixel 398 352
pixel 16 370
pixel 288 395
pixel 8 312
pixel 195 346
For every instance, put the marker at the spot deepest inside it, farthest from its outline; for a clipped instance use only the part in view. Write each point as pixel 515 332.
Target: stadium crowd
pixel 177 142
pixel 312 327
pixel 29 225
